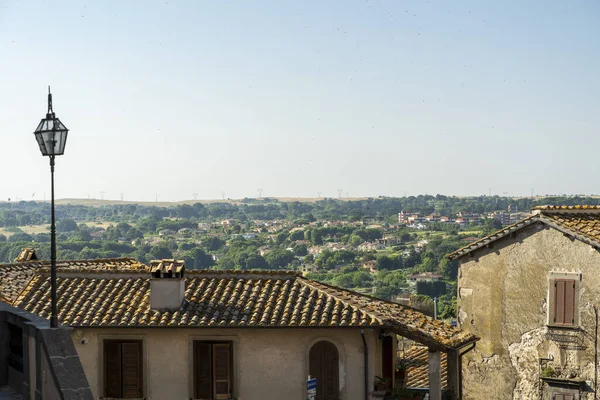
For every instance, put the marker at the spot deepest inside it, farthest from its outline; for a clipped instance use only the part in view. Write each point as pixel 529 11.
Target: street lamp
pixel 51 136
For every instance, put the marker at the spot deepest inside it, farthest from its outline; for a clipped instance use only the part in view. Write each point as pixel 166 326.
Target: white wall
pixel 268 363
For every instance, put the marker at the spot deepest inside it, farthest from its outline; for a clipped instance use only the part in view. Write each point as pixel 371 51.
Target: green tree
pixel 279 258
pixel 66 225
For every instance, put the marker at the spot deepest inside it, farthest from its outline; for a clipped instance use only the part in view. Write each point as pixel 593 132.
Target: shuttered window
pixel 123 371
pixel 213 377
pixel 564 311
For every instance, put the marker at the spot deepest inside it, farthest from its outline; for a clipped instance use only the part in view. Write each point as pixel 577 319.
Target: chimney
pixel 167 284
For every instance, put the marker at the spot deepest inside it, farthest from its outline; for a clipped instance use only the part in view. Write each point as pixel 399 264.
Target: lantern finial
pixel 50 111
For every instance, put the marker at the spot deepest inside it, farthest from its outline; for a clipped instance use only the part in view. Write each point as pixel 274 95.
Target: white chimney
pixel 167 284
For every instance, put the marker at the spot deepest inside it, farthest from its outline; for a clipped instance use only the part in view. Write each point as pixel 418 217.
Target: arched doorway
pixel 324 362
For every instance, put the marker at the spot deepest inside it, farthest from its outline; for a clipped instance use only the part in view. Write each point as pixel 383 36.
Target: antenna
pixel 260 193
pixel 121 196
pixel 195 196
pixel 340 192
pixel 532 191
pixel 223 195
pixel 101 195
pixel 318 195
pixel 156 197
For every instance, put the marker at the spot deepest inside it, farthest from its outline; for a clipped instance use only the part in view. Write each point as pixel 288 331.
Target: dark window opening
pixel 123 369
pixel 15 355
pixel 213 372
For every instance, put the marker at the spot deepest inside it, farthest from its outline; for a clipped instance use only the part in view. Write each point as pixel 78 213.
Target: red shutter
pixel 203 370
pixel 132 369
pixel 222 370
pixel 112 368
pixel 569 303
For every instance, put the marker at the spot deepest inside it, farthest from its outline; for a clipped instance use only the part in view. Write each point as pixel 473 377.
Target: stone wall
pixel 503 299
pixel 50 365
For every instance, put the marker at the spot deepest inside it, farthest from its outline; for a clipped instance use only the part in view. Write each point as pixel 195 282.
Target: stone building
pixel 161 332
pixel 531 293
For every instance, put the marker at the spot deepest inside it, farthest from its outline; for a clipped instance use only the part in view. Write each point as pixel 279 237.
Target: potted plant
pixel 401 367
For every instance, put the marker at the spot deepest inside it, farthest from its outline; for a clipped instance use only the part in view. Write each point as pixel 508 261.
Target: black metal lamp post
pixel 51 136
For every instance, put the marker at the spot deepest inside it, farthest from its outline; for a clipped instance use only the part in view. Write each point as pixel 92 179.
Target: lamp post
pixel 51 136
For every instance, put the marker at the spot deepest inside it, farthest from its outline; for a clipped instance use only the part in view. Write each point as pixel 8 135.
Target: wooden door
pixel 324 366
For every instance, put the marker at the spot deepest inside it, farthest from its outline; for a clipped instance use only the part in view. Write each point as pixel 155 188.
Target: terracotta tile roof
pixel 580 222
pixel 578 207
pixel 14 277
pixel 267 299
pixel 417 372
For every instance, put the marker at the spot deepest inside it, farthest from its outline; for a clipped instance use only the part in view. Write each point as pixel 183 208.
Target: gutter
pixel 366 363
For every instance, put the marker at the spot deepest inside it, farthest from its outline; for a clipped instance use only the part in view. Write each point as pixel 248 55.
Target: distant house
pixel 166 232
pixel 336 246
pixel 370 266
pixel 308 268
pixel 316 250
pixel 370 246
pixel 433 218
pixel 185 231
pixel 424 277
pixel 249 236
pixel 389 240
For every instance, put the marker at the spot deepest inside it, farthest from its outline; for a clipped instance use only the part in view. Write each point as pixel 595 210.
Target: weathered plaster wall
pixel 502 298
pixel 268 363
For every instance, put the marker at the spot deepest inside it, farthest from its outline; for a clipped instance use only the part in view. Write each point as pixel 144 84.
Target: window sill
pixel 565 328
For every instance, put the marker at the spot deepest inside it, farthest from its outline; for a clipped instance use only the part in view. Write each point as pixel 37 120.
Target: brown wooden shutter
pixel 112 368
pixel 569 302
pixel 324 367
pixel 202 370
pixel 568 397
pixel 132 369
pixel 222 370
pixel 559 301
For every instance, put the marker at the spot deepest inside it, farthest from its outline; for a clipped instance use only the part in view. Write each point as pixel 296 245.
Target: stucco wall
pixel 268 363
pixel 502 298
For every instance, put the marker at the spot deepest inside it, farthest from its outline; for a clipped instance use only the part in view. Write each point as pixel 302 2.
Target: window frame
pixel 232 370
pixel 142 363
pixel 553 279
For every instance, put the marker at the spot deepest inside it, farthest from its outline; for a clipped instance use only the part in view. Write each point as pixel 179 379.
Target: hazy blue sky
pixel 300 97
